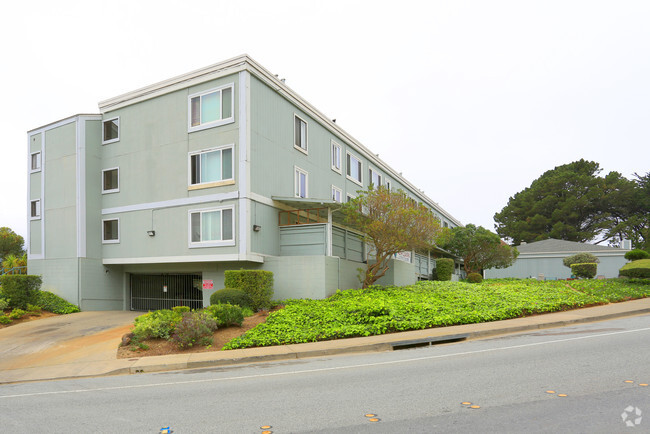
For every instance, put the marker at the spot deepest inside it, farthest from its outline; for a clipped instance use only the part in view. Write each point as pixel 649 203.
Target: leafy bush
pixel 4 304
pixel 474 278
pixel 232 296
pixel 181 309
pixel 586 270
pixel 33 309
pixel 639 269
pixel 247 311
pixel 258 284
pixel 17 313
pixel 4 319
pixel 156 324
pixel 444 268
pixel 55 304
pixel 21 289
pixel 580 258
pixel 636 254
pixel 226 314
pixel 194 328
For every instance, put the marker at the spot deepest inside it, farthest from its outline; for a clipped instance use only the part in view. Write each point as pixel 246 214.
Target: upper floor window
pixel 211 108
pixel 111 130
pixel 336 157
pixel 211 227
pixel 374 177
pixel 299 133
pixel 110 231
pixel 212 165
pixel 35 209
pixel 388 185
pixel 337 194
pixel 35 162
pixel 300 185
pixel 111 180
pixel 353 168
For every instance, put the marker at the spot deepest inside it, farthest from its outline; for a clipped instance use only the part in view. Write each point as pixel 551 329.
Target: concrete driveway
pixel 75 338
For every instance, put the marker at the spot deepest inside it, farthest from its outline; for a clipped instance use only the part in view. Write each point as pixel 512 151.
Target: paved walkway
pixel 92 351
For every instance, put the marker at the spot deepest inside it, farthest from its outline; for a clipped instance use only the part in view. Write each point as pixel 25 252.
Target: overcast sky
pixel 470 100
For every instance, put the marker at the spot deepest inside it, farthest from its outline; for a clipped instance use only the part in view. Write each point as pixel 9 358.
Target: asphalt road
pixel 425 390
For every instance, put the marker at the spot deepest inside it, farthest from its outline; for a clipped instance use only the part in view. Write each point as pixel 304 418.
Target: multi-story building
pixel 148 203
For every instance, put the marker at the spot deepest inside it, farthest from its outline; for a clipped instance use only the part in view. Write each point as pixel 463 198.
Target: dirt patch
pixel 27 318
pixel 162 347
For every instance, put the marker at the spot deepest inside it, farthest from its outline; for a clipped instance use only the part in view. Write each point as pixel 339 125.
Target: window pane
pixel 211 226
pixel 110 180
pixel 226 214
pixel 226 100
pixel 348 169
pixel 211 166
pixel 210 107
pixel 195 167
pixel 196 111
pixel 111 130
pixel 110 230
pixel 36 161
pixel 35 208
pixel 303 185
pixel 196 227
pixel 226 163
pixel 296 132
pixel 303 135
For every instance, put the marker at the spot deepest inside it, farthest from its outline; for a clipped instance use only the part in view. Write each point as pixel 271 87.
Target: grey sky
pixel 470 100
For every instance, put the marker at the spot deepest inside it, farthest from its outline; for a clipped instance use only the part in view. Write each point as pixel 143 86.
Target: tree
pixel 630 213
pixel 391 223
pixel 480 248
pixel 10 243
pixel 13 264
pixel 569 203
pixel 580 258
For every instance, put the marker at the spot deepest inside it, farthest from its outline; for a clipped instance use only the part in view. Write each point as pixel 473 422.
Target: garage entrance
pixel 164 291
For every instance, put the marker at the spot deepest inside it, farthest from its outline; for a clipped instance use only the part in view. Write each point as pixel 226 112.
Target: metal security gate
pixel 164 291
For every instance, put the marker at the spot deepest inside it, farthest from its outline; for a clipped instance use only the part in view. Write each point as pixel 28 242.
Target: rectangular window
pixel 299 133
pixel 111 180
pixel 388 185
pixel 35 162
pixel 374 177
pixel 211 227
pixel 35 209
pixel 336 157
pixel 211 108
pixel 349 197
pixel 353 168
pixel 213 165
pixel 300 182
pixel 111 231
pixel 337 194
pixel 111 130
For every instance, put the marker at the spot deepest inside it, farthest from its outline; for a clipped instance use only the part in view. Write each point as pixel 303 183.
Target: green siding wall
pixel 347 245
pixel 305 240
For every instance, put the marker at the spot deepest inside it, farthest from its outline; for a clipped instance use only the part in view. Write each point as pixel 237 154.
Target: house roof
pixel 561 246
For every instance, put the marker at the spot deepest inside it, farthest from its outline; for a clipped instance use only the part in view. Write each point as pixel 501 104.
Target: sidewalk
pixel 95 361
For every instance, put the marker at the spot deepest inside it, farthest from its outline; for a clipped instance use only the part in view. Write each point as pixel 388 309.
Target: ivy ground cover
pixel 378 310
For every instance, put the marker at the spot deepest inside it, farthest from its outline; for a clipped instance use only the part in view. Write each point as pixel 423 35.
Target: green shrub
pixel 587 270
pixel 17 313
pixel 636 254
pixel 55 304
pixel 580 258
pixel 226 314
pixel 21 289
pixel 4 319
pixel 474 278
pixel 156 324
pixel 181 309
pixel 33 309
pixel 247 311
pixel 194 328
pixel 232 296
pixel 444 268
pixel 4 304
pixel 639 269
pixel 258 284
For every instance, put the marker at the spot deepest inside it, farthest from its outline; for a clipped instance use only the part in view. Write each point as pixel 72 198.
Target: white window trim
pixel 228 181
pixel 119 132
pixel 297 170
pixel 113 190
pixel 40 162
pixel 374 171
pixel 304 150
pixel 339 190
pixel 348 197
pixel 340 168
pixel 38 209
pixel 218 122
pixel 201 244
pixel 104 240
pixel 356 181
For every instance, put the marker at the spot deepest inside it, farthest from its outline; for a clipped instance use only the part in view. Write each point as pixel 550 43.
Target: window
pixel 111 180
pixel 111 130
pixel 353 168
pixel 111 231
pixel 336 157
pixel 210 166
pixel 337 194
pixel 374 177
pixel 35 162
pixel 211 108
pixel 212 227
pixel 299 134
pixel 349 197
pixel 35 209
pixel 388 185
pixel 300 182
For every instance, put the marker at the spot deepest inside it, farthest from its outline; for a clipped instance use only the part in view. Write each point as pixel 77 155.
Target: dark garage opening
pixel 164 291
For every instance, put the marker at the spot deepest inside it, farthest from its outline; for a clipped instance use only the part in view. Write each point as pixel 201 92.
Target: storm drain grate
pixel 425 342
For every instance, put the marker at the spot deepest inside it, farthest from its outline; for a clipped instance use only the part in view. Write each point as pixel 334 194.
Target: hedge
pixel 474 278
pixel 639 269
pixel 258 284
pixel 636 254
pixel 580 258
pixel 587 269
pixel 20 289
pixel 231 296
pixel 444 268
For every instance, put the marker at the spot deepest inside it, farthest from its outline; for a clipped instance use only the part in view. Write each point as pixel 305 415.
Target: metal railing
pixel 302 216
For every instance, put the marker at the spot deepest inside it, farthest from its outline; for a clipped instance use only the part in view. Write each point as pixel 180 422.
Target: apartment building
pixel 146 204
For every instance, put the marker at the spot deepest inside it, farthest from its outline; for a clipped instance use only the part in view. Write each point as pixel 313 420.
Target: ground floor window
pixel 211 227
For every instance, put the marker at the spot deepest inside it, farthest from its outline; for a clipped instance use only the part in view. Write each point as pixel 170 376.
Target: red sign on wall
pixel 208 284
